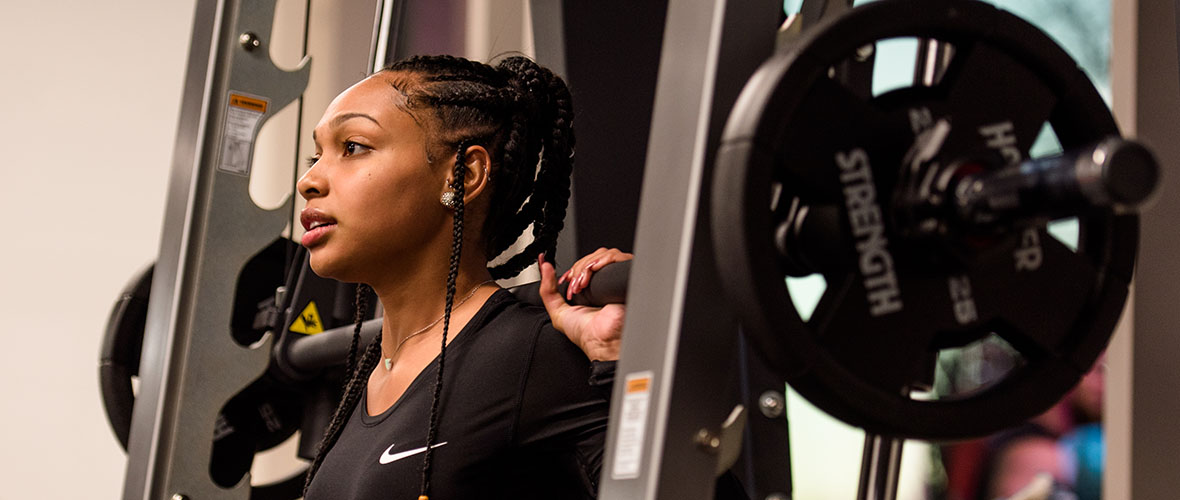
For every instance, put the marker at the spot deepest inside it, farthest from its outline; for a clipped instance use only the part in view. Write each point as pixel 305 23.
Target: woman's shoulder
pixel 514 324
pixel 508 322
pixel 505 314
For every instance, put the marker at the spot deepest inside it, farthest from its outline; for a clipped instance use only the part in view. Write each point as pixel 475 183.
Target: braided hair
pixel 522 114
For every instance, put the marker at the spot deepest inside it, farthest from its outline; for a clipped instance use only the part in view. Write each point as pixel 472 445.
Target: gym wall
pixel 88 115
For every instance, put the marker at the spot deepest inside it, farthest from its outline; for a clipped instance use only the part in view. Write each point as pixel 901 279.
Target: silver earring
pixel 448 200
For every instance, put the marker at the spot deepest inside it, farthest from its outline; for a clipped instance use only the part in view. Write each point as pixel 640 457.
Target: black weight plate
pixel 118 360
pixel 260 417
pixel 790 129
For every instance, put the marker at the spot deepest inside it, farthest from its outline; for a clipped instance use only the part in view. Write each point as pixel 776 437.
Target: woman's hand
pixel 578 275
pixel 598 331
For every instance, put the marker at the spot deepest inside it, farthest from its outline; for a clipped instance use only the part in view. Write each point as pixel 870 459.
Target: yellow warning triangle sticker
pixel 308 321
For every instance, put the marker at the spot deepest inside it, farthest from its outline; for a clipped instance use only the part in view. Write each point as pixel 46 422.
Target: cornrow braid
pixel 447 67
pixel 457 185
pixel 522 113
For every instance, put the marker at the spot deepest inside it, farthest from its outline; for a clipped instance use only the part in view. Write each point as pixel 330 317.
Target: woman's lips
pixel 316 223
pixel 314 235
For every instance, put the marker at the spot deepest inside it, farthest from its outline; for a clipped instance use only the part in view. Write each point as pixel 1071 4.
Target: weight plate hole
pixel 893 67
pixel 1066 231
pixel 962 371
pixel 1046 143
pixel 805 293
pixel 791 7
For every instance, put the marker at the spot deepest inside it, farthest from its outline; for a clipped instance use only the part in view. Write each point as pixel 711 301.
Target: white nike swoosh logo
pixel 387 458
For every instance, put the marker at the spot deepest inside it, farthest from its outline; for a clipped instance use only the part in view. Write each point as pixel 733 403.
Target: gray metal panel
pixel 1155 401
pixel 549 34
pixel 190 365
pixel 612 55
pixel 549 41
pixel 429 27
pixel 677 327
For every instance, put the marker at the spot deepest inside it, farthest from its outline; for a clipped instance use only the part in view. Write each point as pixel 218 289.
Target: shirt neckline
pixel 477 321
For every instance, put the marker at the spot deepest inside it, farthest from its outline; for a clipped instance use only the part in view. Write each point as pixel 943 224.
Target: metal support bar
pixel 190 365
pixel 765 465
pixel 678 339
pixel 880 468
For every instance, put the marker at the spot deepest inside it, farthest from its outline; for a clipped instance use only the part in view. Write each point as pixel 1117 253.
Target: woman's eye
pixel 352 148
pixel 311 160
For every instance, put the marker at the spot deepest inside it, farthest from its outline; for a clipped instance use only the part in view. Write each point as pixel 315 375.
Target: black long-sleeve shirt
pixel 517 420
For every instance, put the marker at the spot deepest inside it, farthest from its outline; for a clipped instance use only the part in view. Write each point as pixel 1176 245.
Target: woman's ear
pixel 477 165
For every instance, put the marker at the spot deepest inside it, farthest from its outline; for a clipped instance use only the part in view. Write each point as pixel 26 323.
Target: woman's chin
pixel 325 267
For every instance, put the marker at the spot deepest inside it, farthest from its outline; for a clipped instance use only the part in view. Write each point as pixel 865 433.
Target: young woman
pixel 423 173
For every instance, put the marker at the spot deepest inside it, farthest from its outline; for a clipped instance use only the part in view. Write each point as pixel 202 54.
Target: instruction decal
pixel 243 114
pixel 633 424
pixel 308 321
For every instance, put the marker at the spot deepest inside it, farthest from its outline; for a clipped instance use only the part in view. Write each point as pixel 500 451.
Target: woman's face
pixel 372 198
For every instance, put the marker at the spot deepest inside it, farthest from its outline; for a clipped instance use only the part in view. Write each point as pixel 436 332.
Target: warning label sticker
pixel 247 103
pixel 308 321
pixel 242 116
pixel 632 426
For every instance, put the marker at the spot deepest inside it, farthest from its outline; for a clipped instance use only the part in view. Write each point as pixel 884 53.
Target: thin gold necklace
pixel 389 359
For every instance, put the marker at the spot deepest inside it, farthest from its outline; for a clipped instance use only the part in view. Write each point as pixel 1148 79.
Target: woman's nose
pixel 312 184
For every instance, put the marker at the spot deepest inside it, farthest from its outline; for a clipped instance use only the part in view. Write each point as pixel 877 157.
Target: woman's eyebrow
pixel 348 116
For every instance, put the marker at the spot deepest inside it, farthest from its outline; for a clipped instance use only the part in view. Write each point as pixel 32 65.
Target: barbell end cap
pixel 1129 171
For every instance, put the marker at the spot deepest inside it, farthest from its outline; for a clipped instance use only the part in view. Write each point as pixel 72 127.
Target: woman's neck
pixel 416 301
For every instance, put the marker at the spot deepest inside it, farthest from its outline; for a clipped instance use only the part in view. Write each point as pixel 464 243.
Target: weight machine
pixel 769 157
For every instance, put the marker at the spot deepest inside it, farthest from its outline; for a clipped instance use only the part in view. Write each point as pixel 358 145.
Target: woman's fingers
pixel 576 273
pixel 580 273
pixel 554 303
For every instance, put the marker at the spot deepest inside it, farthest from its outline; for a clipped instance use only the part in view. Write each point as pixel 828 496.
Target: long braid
pixel 521 153
pixel 362 305
pixel 516 157
pixel 452 275
pixel 353 390
pixel 550 192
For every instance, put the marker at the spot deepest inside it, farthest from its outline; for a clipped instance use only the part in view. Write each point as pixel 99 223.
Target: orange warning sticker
pixel 246 102
pixel 632 426
pixel 308 321
pixel 638 385
pixel 243 115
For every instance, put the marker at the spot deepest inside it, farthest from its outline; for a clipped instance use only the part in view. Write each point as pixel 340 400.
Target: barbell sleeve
pixel 1114 173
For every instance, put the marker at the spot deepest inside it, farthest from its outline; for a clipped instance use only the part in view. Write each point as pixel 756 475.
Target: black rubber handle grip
pixel 608 286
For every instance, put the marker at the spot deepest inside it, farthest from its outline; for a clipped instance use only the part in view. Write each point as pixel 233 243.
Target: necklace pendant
pixel 388 364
